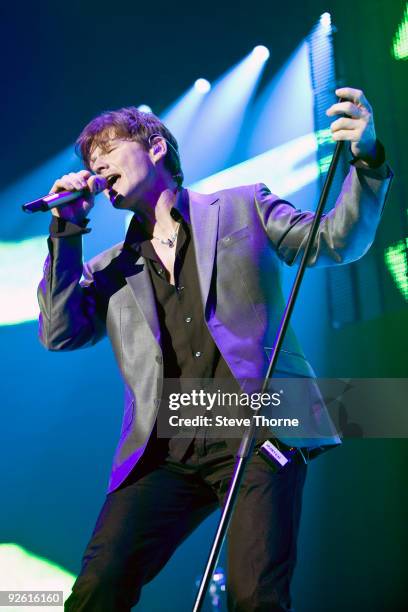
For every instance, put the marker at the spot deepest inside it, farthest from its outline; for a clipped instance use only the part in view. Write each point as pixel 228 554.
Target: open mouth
pixel 112 187
pixel 112 180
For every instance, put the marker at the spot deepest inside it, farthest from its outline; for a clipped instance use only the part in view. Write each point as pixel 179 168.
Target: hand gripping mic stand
pixel 248 439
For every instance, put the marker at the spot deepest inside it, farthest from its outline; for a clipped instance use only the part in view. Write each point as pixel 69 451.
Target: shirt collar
pixel 135 234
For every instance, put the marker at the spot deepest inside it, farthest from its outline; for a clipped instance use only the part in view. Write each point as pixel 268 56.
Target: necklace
pixel 170 242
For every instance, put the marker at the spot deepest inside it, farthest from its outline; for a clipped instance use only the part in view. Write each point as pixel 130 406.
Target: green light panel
pixel 400 42
pixel 324 137
pixel 22 570
pixel 396 260
pixel 324 163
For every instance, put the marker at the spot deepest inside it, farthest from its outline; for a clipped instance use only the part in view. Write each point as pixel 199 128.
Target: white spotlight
pixel 325 21
pixel 144 108
pixel 261 53
pixel 202 86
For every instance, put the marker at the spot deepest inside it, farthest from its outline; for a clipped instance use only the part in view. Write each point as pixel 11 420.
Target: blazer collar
pixel 201 212
pixel 204 212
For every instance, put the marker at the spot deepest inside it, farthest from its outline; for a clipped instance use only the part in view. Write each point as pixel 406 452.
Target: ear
pixel 158 149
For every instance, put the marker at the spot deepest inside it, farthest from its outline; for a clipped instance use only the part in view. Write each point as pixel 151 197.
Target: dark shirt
pixel 189 351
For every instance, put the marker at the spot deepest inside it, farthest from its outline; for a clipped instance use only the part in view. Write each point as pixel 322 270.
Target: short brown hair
pixel 132 124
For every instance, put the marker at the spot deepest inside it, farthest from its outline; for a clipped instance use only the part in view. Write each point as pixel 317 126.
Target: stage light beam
pixel 275 117
pixel 288 167
pixel 325 20
pixel 179 116
pixel 202 86
pixel 261 53
pixel 217 125
pixel 144 108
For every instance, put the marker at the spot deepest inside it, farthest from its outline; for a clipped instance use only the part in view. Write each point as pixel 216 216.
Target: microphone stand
pixel 248 439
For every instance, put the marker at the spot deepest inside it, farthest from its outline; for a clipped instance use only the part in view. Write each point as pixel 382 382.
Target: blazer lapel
pixel 204 212
pixel 137 277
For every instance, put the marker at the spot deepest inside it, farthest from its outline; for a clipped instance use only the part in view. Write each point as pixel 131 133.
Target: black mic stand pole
pixel 248 439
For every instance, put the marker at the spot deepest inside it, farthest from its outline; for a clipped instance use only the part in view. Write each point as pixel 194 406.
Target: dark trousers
pixel 143 522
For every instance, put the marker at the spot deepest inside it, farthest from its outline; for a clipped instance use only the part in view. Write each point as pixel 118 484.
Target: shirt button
pixel 227 239
pixel 198 353
pixel 159 359
pixel 188 319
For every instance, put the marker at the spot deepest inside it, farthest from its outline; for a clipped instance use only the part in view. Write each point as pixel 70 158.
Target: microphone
pixel 56 200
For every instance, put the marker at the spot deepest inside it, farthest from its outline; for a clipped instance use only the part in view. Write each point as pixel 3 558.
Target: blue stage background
pixel 60 71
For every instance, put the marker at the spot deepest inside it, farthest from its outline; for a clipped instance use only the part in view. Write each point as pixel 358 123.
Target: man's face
pixel 128 168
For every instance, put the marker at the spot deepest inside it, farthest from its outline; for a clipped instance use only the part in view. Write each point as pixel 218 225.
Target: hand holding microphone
pixel 71 197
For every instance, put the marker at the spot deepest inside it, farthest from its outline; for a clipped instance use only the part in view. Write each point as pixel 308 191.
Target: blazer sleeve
pixel 72 311
pixel 345 233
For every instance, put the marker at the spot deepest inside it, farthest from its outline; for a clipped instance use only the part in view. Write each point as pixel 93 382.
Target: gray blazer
pixel 241 236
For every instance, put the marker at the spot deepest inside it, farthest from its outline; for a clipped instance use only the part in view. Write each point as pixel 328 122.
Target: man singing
pixel 193 292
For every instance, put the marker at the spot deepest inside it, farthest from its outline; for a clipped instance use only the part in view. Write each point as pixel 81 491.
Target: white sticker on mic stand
pixel 276 454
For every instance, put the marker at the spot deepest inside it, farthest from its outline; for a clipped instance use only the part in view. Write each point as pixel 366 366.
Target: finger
pixel 349 93
pixel 62 184
pixel 55 187
pixel 77 181
pixel 96 184
pixel 347 108
pixel 344 123
pixel 74 181
pixel 354 95
pixel 351 135
pixel 83 176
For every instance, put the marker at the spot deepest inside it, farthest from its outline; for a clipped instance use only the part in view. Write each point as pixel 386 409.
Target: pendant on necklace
pixel 168 242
